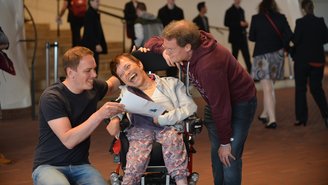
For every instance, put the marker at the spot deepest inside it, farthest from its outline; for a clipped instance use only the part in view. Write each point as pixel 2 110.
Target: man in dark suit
pixel 130 16
pixel 93 35
pixel 166 14
pixel 235 19
pixel 170 12
pixel 201 20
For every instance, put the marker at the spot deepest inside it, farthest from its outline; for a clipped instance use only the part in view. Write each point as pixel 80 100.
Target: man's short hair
pixel 141 6
pixel 185 32
pixel 200 5
pixel 72 57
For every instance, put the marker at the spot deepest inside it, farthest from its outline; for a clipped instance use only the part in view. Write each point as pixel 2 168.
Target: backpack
pixel 78 7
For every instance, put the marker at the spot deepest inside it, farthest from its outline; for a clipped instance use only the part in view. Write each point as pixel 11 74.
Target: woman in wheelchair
pixel 170 93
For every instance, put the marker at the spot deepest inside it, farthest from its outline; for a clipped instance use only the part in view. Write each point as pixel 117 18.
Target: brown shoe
pixel 4 160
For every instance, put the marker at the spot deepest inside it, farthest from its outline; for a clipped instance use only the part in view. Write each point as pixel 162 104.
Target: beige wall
pixel 45 11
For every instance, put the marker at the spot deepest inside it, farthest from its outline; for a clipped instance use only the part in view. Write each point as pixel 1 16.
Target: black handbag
pixel 4 42
pixel 5 63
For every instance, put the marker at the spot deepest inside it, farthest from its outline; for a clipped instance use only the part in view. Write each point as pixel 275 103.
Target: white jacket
pixel 179 106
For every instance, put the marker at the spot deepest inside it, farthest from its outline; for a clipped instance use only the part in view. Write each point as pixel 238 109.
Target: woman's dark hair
pixel 268 6
pixel 307 6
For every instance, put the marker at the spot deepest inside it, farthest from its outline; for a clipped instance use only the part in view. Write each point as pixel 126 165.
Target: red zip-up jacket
pixel 219 78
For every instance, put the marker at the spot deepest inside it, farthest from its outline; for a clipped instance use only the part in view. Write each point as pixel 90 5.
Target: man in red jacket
pixel 226 87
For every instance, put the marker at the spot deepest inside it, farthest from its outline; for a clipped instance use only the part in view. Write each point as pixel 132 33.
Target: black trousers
pixel 76 27
pixel 242 45
pixel 306 74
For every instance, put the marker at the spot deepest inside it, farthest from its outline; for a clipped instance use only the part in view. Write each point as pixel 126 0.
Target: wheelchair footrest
pixel 156 179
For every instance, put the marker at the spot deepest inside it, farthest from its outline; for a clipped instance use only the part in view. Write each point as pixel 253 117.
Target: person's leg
pixel 217 168
pixel 316 77
pixel 138 156
pixel 301 75
pixel 76 27
pixel 49 175
pixel 245 52
pixel 85 175
pixel 269 99
pixel 174 154
pixel 242 117
pixel 234 50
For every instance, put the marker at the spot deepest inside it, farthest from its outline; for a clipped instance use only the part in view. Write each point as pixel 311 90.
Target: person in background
pixel 310 35
pixel 146 25
pixel 130 16
pixel 201 20
pixel 166 14
pixel 266 30
pixel 168 92
pixel 75 20
pixel 224 84
pixel 93 35
pixel 68 116
pixel 170 12
pixel 234 19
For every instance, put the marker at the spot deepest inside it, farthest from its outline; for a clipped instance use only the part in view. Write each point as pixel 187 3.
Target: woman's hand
pixel 144 50
pixel 113 127
pixel 155 120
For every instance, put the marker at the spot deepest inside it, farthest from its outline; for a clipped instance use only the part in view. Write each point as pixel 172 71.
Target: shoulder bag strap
pixel 273 25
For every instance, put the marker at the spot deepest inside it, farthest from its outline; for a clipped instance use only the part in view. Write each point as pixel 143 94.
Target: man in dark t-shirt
pixel 68 115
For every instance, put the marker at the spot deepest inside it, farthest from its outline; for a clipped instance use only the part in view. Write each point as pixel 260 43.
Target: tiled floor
pixel 286 156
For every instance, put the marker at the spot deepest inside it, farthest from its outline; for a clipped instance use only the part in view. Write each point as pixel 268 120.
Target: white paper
pixel 138 105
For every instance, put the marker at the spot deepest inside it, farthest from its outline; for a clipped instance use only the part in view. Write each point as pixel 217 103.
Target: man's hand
pixel 110 109
pixel 99 48
pixel 225 154
pixel 244 24
pixel 167 59
pixel 58 20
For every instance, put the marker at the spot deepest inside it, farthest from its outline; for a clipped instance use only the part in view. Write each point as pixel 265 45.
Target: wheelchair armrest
pixel 192 125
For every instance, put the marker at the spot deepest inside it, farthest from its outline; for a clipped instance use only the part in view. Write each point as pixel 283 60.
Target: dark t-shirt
pixel 56 102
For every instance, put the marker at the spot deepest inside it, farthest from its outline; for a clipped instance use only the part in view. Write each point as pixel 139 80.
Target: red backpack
pixel 78 7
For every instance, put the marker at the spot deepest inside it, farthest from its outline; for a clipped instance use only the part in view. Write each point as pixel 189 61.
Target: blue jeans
pixel 65 175
pixel 242 117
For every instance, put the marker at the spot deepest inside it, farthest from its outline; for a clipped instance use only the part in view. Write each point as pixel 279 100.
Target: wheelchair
pixel 156 172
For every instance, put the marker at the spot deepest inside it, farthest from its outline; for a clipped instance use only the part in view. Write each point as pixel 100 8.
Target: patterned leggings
pixel 138 156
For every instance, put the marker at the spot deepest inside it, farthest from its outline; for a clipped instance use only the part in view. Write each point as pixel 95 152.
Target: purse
pixel 4 42
pixel 284 37
pixel 6 64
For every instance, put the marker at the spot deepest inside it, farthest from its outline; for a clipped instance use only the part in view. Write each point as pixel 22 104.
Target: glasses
pixel 169 50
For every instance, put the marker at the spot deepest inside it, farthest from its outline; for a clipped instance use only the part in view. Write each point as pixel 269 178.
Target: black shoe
pixel 326 122
pixel 264 120
pixel 300 123
pixel 271 125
